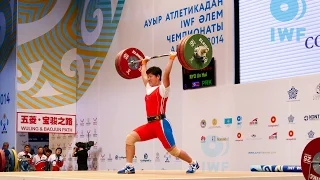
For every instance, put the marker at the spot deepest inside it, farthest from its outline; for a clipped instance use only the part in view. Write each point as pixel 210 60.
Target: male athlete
pixel 158 126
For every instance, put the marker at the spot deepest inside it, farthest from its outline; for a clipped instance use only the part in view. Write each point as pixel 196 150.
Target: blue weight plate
pixel 11 161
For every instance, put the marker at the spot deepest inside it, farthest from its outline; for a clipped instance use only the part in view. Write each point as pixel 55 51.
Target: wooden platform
pixel 148 175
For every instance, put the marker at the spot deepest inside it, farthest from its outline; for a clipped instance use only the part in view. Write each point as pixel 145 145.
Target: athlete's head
pixel 154 76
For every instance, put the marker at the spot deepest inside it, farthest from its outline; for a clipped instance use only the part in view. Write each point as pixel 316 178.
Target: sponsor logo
pixel 273 121
pixel 254 137
pixel 203 123
pixel 291 119
pixel 145 158
pixel 311 135
pixel 239 121
pixel 317 95
pixel 254 122
pixel 293 94
pixel 215 124
pixel 109 158
pixel 313 117
pixel 228 121
pixel 274 136
pixel 157 157
pixel 291 136
pixel 239 137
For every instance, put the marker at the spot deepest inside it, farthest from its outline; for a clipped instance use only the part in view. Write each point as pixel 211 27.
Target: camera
pixel 85 145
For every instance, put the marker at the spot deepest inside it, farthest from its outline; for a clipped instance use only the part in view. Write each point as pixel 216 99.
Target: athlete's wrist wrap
pixel 144 62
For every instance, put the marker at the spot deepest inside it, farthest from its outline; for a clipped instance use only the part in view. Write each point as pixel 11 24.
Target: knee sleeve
pixel 175 152
pixel 131 139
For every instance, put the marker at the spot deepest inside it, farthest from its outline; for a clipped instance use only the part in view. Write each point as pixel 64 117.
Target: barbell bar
pixel 199 54
pixel 194 52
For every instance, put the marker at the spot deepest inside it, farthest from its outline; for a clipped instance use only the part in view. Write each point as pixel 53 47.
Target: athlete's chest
pixel 152 94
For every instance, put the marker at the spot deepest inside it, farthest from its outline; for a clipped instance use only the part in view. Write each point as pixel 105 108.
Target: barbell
pixel 194 52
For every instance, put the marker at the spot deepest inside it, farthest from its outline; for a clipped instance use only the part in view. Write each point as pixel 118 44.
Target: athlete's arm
pixel 143 70
pixel 167 70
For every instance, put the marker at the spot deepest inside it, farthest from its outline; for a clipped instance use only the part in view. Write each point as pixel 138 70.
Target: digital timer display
pixel 194 79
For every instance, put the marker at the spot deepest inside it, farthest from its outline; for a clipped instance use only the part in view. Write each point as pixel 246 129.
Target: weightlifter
pixel 158 125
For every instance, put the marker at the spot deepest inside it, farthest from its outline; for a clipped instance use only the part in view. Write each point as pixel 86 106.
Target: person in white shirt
pixel 25 154
pixel 25 158
pixel 56 160
pixel 39 160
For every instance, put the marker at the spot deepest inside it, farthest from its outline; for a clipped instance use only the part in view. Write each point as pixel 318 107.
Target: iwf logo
pixel 287 11
pixel 4 123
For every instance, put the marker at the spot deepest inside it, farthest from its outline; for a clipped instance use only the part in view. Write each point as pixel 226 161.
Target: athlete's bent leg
pixel 165 135
pixel 142 133
pixel 181 154
pixel 131 139
pixel 176 152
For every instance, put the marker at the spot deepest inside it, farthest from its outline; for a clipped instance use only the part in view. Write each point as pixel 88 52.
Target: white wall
pixel 254 100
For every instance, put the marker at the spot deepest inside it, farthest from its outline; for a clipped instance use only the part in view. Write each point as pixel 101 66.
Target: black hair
pixel 154 70
pixel 60 149
pixel 49 151
pixel 40 147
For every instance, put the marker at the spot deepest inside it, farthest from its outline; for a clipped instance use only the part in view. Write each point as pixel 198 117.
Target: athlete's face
pixel 153 80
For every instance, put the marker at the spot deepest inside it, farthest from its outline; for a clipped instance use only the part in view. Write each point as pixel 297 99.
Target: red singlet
pixel 156 100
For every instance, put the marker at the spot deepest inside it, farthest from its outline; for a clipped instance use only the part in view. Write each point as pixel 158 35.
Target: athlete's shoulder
pixel 164 91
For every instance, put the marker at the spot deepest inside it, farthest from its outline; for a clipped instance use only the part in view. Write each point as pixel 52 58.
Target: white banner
pixel 46 123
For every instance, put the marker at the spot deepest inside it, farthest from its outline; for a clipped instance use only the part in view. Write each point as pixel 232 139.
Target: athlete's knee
pixel 132 138
pixel 175 151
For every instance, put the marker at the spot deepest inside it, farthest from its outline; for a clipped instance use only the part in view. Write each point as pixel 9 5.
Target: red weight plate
pixel 181 51
pixel 3 161
pixel 310 160
pixel 178 49
pixel 122 74
pixel 128 55
pixel 117 65
pixel 180 58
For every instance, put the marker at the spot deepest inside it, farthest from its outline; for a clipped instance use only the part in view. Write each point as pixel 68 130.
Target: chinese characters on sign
pixel 46 123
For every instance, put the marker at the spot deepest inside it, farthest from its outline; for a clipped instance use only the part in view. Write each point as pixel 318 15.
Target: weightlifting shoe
pixel 128 169
pixel 193 167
